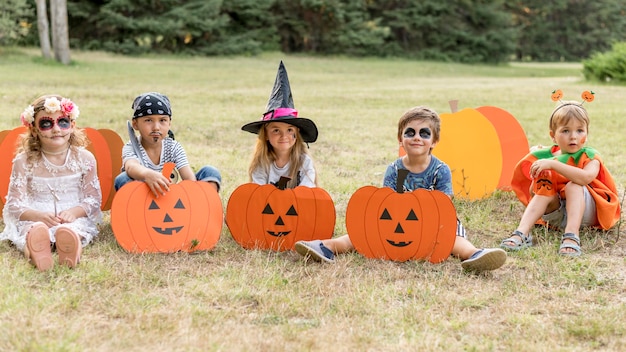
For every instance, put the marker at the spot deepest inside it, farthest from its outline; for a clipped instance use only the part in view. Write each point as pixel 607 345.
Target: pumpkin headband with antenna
pixel 557 94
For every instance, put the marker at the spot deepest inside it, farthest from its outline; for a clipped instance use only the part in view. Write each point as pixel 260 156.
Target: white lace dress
pixel 75 183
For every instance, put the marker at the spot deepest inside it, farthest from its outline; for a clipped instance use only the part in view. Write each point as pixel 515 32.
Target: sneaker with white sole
pixel 315 250
pixel 485 259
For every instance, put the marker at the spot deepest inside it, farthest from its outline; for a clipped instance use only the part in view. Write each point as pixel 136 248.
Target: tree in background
pixel 43 29
pixel 60 31
pixel 453 30
pixel 566 30
pixel 14 21
pixel 485 31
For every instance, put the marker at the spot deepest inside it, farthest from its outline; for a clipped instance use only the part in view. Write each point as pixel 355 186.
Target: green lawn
pixel 247 300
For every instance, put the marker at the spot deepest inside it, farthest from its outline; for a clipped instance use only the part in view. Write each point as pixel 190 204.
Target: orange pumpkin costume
pixel 602 188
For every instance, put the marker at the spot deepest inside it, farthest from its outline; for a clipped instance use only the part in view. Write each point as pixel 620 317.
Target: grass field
pixel 243 300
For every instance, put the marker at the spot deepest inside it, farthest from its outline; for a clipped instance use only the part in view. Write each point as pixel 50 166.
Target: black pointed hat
pixel 280 108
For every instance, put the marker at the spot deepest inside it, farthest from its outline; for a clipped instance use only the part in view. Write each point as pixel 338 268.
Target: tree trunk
pixel 44 32
pixel 60 32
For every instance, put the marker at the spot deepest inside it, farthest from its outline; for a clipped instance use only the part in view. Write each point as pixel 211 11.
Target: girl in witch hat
pixel 281 148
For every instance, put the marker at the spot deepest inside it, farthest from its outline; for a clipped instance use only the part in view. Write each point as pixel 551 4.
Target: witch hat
pixel 280 108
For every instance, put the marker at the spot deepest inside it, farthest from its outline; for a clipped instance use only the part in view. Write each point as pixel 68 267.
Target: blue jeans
pixel 206 173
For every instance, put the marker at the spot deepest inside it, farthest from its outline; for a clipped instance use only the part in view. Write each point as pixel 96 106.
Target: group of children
pixel 54 196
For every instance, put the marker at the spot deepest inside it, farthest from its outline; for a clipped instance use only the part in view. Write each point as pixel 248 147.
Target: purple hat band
pixel 280 112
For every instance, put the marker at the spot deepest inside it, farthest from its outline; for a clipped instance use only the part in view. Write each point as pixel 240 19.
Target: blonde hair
pixel 264 156
pixel 420 113
pixel 565 112
pixel 30 142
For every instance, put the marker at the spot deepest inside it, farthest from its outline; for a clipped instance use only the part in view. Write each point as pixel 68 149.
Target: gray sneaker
pixel 315 250
pixel 485 259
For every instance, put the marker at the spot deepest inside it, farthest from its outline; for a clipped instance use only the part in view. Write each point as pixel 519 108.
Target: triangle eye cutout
pixel 292 211
pixel 153 205
pixel 385 215
pixel 412 216
pixel 179 205
pixel 267 210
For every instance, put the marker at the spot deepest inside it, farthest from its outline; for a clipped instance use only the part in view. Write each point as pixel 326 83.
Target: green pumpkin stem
pixel 282 183
pixel 402 174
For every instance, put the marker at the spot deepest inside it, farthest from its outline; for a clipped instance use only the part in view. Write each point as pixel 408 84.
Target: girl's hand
pixel 49 219
pixel 66 216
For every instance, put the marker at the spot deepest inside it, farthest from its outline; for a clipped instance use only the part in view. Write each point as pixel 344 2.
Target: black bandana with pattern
pixel 151 104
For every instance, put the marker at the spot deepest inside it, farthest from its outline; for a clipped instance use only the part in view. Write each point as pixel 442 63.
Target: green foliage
pixel 459 30
pixel 566 30
pixel 607 66
pixel 16 19
pixel 231 299
pixel 468 31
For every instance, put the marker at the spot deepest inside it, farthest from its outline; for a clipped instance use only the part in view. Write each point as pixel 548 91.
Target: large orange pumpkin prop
pixel 273 217
pixel 482 147
pixel 106 146
pixel 399 225
pixel 188 217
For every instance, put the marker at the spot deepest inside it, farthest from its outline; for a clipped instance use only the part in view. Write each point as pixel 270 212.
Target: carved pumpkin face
pixel 166 218
pixel 544 184
pixel 277 220
pixel 106 146
pixel 384 224
pixel 267 217
pixel 188 217
pixel 397 221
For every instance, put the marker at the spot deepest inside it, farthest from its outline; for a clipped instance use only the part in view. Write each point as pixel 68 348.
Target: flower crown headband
pixel 51 105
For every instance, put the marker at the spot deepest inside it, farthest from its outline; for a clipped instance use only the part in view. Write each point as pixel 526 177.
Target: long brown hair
pixel 264 156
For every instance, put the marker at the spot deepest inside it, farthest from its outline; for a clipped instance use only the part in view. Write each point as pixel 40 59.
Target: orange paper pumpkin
pixel 401 226
pixel 588 96
pixel 187 218
pixel 106 146
pixel 557 95
pixel 273 217
pixel 481 146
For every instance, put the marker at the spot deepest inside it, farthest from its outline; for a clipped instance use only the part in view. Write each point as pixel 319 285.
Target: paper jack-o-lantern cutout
pixel 106 146
pixel 401 226
pixel 482 147
pixel 273 217
pixel 188 217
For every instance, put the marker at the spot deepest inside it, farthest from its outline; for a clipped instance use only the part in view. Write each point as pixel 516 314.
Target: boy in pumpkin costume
pixel 566 185
pixel 418 133
pixel 143 158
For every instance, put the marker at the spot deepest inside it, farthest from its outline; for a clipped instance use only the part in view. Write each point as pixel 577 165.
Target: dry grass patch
pixel 233 299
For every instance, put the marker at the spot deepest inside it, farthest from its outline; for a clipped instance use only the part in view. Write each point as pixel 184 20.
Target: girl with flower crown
pixel 54 197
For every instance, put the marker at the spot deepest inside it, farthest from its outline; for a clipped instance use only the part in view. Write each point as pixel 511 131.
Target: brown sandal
pixel 68 247
pixel 38 247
